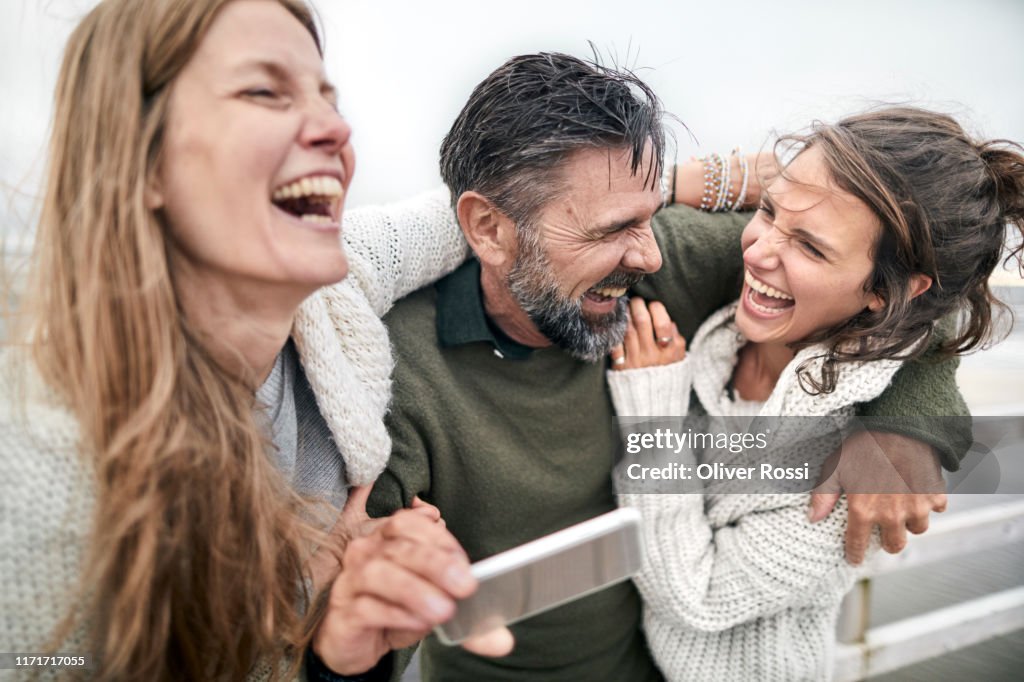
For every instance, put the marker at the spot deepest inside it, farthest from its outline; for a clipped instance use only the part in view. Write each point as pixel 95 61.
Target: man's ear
pixel 919 283
pixel 490 233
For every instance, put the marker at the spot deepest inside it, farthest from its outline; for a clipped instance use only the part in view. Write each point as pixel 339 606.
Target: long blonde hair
pixel 195 567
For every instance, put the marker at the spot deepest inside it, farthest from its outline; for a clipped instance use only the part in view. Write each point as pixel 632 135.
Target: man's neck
pixel 503 311
pixel 244 324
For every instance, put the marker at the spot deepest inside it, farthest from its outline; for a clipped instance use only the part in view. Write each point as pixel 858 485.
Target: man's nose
pixel 644 254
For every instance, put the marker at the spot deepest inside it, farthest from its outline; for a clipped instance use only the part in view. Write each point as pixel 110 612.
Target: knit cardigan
pixel 47 488
pixel 741 586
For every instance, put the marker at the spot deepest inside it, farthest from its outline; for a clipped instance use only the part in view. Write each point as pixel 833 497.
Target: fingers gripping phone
pixel 548 572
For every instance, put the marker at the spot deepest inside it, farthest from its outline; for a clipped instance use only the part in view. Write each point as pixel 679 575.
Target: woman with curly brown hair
pixel 877 228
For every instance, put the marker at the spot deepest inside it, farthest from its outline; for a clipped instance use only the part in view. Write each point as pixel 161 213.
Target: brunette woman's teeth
pixel 762 288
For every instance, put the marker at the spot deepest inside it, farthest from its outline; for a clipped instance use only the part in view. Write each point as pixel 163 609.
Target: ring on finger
pixel 664 340
pixel 621 360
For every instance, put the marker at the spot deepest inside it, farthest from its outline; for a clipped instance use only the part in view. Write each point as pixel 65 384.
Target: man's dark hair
pixel 523 121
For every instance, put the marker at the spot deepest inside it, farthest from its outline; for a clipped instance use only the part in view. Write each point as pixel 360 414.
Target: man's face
pixel 588 246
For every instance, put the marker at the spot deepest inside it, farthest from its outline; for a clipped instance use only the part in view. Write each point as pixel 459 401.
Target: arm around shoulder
pixel 397 248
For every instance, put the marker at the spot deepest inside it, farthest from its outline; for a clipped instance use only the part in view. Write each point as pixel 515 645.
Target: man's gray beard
pixel 560 319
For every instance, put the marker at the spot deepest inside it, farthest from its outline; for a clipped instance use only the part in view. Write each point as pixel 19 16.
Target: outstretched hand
pixel 890 481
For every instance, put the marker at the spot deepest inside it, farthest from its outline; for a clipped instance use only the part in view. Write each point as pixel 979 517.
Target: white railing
pixel 867 652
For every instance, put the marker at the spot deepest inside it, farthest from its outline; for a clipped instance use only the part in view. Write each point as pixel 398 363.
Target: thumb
pixel 822 503
pixel 495 643
pixel 426 509
pixel 355 505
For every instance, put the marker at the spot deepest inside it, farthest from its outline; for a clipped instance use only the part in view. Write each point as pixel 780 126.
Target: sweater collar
pixel 461 318
pixel 715 349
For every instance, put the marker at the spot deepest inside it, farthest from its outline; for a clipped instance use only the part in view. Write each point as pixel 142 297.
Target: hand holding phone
pixel 548 572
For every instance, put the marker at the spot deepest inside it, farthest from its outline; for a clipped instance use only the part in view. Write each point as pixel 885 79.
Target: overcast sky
pixel 732 71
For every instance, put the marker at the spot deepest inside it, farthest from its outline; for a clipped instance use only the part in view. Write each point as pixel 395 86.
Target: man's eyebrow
pixel 615 226
pixel 609 228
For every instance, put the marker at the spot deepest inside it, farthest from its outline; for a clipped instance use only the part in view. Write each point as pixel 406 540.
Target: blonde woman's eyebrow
pixel 280 72
pixel 329 92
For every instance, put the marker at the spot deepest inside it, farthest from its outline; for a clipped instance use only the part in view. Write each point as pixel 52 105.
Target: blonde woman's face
pixel 808 253
pixel 256 159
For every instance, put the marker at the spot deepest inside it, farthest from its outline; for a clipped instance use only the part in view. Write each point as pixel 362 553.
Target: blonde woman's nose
pixel 325 128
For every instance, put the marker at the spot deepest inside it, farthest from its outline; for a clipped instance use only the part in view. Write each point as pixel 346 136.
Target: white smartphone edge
pixel 549 545
pixel 555 542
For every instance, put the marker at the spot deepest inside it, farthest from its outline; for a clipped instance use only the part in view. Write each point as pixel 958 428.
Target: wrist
pixel 700 182
pixel 318 671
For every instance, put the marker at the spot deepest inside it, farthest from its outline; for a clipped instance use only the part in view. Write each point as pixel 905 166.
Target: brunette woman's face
pixel 808 253
pixel 256 159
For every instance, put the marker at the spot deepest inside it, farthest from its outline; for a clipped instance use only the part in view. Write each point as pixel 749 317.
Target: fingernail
pixel 458 578
pixel 439 606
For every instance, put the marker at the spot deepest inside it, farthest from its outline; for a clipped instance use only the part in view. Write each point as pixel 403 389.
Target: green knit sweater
pixel 512 449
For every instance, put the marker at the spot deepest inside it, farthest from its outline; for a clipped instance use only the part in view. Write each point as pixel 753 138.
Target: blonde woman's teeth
pixel 762 288
pixel 318 186
pixel 317 219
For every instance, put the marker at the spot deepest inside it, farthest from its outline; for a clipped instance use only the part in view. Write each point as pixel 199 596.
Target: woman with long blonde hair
pixel 170 457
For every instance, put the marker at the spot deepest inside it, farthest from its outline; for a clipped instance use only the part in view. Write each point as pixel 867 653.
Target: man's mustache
pixel 620 278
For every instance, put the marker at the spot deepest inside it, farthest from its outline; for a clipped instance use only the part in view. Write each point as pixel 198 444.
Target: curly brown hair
pixel 944 201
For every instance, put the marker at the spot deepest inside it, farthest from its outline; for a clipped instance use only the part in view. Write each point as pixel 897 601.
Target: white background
pixel 732 71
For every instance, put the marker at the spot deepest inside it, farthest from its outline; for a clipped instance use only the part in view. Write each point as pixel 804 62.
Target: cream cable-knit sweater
pixel 740 586
pixel 47 493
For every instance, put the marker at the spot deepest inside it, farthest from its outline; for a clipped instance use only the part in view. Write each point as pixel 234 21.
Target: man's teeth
pixel 610 292
pixel 320 185
pixel 317 219
pixel 763 288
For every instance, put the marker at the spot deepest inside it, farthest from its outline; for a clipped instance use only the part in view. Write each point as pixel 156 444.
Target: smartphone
pixel 548 572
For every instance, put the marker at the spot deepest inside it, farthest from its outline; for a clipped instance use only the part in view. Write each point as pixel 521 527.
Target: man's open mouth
pixel 602 294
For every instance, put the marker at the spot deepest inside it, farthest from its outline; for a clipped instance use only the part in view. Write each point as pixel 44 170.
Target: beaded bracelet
pixel 745 177
pixel 717 196
pixel 713 164
pixel 724 183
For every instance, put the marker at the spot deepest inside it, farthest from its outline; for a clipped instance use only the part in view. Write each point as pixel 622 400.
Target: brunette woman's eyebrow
pixel 816 241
